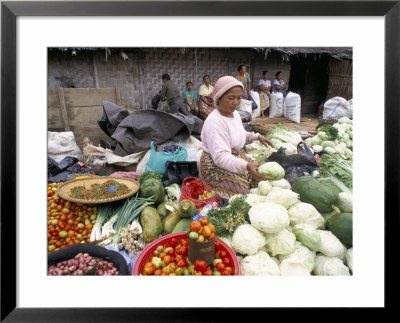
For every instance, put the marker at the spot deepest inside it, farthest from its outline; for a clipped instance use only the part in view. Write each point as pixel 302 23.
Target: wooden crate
pixel 266 124
pixel 78 109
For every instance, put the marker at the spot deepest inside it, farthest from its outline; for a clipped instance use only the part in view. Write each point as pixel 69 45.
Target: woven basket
pixel 64 189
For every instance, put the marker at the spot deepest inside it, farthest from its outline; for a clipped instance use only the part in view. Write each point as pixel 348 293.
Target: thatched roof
pixel 288 52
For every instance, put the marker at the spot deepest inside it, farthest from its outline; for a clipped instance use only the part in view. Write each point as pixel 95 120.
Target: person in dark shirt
pixel 170 92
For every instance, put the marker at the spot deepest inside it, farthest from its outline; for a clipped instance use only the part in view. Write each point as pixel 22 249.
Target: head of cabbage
pixel 280 243
pixel 349 258
pixel 331 245
pixel 259 264
pixel 282 196
pixel 271 171
pixel 264 187
pixel 308 236
pixel 346 202
pixel 247 239
pixel 330 266
pixel 305 213
pixel 282 183
pixel 299 262
pixel 269 217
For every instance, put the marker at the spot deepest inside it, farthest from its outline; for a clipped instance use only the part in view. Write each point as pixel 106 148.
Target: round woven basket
pixel 64 189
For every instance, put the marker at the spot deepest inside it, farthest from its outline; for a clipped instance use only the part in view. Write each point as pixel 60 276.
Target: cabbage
pixel 349 258
pixel 340 148
pixel 255 191
pixel 290 149
pixel 234 197
pixel 317 148
pixel 308 236
pixel 269 217
pixel 322 135
pixel 299 262
pixel 264 187
pixel 227 240
pixel 305 213
pixel 331 245
pixel 346 202
pixel 272 171
pixel 308 141
pixel 282 196
pixel 259 264
pixel 325 144
pixel 282 183
pixel 344 120
pixel 330 266
pixel 330 150
pixel 348 153
pixel 254 199
pixel 247 239
pixel 280 243
pixel 316 140
pixel 285 135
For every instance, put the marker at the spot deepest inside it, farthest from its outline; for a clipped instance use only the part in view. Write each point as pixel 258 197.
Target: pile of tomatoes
pixel 171 260
pixel 68 223
pixel 201 230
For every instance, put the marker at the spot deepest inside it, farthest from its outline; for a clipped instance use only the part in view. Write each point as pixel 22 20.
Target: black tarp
pixel 132 133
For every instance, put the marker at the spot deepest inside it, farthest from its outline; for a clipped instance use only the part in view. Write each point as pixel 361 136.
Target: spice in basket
pixel 108 189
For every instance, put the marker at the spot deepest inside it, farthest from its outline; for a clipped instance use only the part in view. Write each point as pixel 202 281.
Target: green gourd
pixel 170 221
pixel 151 223
pixel 321 196
pixel 182 226
pixel 341 225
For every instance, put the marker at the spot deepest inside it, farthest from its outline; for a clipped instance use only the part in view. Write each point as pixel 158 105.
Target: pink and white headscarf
pixel 223 85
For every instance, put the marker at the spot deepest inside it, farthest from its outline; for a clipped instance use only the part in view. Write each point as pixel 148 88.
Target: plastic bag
pixel 295 165
pixel 255 96
pixel 336 108
pixel 158 159
pixel 176 171
pixel 62 144
pixel 292 107
pixel 192 187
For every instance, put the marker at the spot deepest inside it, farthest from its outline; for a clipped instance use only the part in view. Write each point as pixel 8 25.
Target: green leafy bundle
pixel 334 165
pixel 227 219
pixel 147 175
pixel 331 132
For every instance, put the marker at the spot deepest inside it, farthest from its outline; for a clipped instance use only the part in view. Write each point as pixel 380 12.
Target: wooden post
pixel 118 99
pixel 63 108
pixel 96 74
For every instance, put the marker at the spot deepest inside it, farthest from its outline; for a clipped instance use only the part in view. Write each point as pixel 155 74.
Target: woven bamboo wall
pixel 340 79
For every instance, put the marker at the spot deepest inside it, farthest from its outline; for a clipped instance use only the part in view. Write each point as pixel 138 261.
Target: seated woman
pixel 244 77
pixel 278 85
pixel 189 97
pixel 223 163
pixel 206 103
pixel 265 87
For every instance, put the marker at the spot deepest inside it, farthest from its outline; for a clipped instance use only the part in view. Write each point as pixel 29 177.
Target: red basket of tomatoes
pixel 161 248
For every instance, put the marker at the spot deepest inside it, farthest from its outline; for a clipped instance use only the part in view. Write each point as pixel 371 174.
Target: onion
pixel 88 259
pixel 72 268
pixel 116 273
pixel 110 265
pixel 70 262
pixel 86 255
pixel 100 273
pixel 92 262
pixel 79 272
pixel 81 266
pixel 66 272
pixel 100 264
pixel 76 263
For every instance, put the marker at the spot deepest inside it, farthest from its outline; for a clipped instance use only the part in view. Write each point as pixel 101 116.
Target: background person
pixel 189 97
pixel 170 92
pixel 244 78
pixel 278 85
pixel 223 163
pixel 264 85
pixel 206 103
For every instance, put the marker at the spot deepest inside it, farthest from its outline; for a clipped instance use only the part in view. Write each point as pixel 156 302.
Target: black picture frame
pixel 10 10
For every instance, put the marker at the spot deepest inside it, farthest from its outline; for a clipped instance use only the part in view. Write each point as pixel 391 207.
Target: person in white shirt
pixel 278 85
pixel 264 85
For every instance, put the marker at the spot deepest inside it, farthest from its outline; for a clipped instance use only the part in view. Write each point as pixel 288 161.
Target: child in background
pixel 190 98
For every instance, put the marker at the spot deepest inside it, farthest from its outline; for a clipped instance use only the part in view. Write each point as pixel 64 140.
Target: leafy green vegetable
pixel 227 219
pixel 334 165
pixel 146 175
pixel 284 134
pixel 331 132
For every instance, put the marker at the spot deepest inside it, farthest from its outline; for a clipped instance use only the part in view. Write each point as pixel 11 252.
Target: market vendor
pixel 224 165
pixel 244 78
pixel 264 85
pixel 206 103
pixel 278 85
pixel 170 92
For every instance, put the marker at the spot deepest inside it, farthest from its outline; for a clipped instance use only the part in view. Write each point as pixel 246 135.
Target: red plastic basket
pixel 147 253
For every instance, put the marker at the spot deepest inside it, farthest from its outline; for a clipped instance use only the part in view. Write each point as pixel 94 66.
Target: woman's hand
pixel 265 141
pixel 252 167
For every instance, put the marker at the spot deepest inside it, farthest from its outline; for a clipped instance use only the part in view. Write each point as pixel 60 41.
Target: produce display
pixel 83 264
pixel 278 228
pixel 68 223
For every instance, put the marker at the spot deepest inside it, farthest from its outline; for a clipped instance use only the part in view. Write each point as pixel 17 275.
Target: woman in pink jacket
pixel 224 165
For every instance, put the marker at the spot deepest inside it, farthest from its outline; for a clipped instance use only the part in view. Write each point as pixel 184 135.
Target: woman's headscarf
pixel 223 85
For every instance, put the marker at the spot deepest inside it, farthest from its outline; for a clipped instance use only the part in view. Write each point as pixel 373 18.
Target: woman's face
pixel 229 102
pixel 190 86
pixel 266 76
pixel 243 70
pixel 207 80
pixel 280 75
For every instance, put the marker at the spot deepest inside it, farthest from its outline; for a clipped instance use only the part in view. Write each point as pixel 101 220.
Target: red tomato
pixel 218 245
pixel 174 242
pixel 212 236
pixel 211 226
pixel 178 257
pixel 194 226
pixel 157 272
pixel 200 265
pixel 217 254
pixel 203 221
pixel 167 259
pixel 198 273
pixel 182 263
pixel 226 261
pixel 220 266
pixel 184 242
pixel 222 254
pixel 225 272
pixel 162 255
pixel 208 272
pixel 171 252
pixel 229 269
